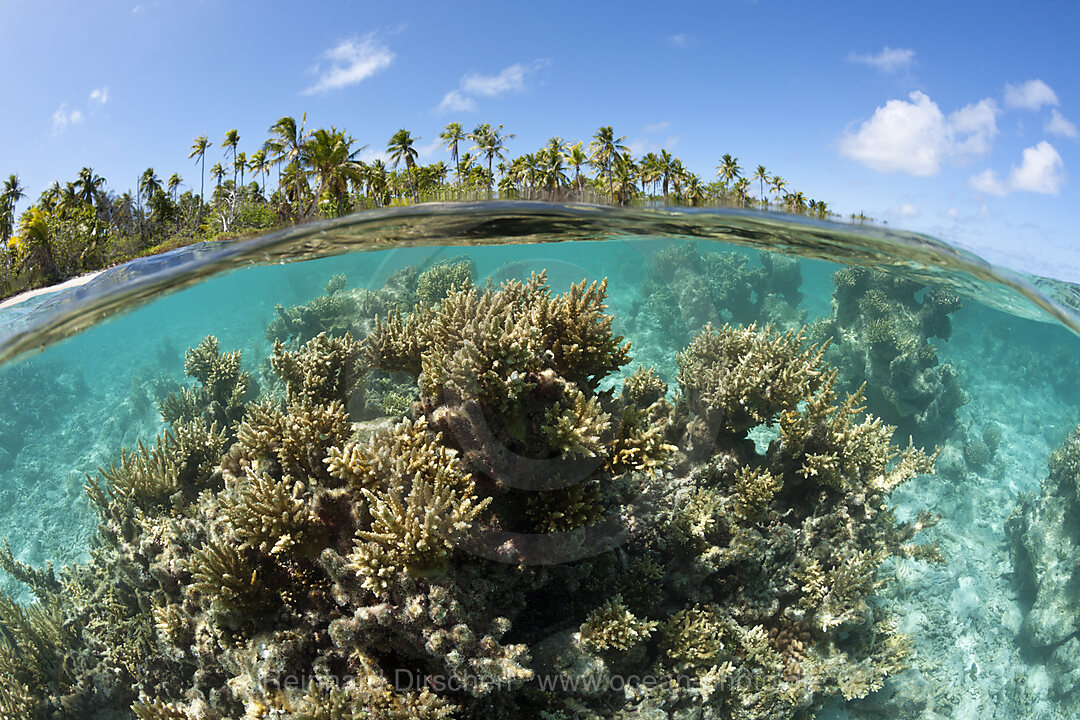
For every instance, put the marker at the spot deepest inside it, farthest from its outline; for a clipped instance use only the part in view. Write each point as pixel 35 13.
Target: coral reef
pixel 518 527
pixel 687 288
pixel 881 327
pixel 1045 532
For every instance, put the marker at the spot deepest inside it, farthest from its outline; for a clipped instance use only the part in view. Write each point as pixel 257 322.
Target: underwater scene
pixel 521 460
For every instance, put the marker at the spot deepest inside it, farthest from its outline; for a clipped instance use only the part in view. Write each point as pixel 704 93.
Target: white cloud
pixel 62 118
pixel 951 214
pixel 979 122
pixel 509 79
pixel 1041 170
pixel 987 182
pixel 1060 125
pixel 916 137
pixel 426 151
pixel 350 62
pixel 907 210
pixel 657 126
pixel 889 60
pixel 1031 95
pixel 680 40
pixel 99 96
pixel 454 101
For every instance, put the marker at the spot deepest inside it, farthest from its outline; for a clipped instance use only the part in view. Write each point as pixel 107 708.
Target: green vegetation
pixel 81 226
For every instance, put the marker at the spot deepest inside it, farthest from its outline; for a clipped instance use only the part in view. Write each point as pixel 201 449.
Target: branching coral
pixel 180 461
pixel 737 378
pixel 419 516
pixel 298 564
pixel 613 627
pixel 223 388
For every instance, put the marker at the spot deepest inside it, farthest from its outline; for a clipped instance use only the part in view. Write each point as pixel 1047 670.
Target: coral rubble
pixel 518 527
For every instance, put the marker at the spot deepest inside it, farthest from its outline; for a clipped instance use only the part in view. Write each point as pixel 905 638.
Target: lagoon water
pixel 85 369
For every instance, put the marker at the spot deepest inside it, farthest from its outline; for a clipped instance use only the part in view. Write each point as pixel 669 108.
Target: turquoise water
pixel 660 561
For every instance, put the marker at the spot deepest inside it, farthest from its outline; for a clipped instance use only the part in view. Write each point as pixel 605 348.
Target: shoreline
pixel 49 289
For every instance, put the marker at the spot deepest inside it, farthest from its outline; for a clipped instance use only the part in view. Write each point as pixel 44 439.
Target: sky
pixel 958 119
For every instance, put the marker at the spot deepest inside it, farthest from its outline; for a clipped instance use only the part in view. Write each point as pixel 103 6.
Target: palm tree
pixel 728 170
pixel 650 170
pixel 491 142
pixel 13 192
pixel 741 186
pixel 69 200
pixel 174 184
pixel 795 202
pixel 695 189
pixel 216 173
pixel 624 177
pixel 287 145
pixel 198 150
pixel 451 137
pixel 332 159
pixel 148 183
pixel 34 244
pixel 777 184
pixel 259 164
pixel 576 158
pixel 239 163
pixel 761 176
pixel 552 173
pixel 378 181
pixel 401 148
pixel 668 164
pixel 232 139
pixel 88 184
pixel 604 149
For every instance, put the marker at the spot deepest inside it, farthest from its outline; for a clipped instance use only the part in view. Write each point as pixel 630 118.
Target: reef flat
pixel 452 498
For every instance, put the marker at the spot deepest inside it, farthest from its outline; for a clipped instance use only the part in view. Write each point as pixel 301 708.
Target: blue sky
pixel 958 119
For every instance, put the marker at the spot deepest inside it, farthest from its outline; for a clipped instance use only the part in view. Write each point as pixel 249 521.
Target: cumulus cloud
pixel 657 126
pixel 63 118
pixel 1031 95
pixel 680 40
pixel 889 60
pixel 916 137
pixel 509 79
pixel 1058 124
pixel 99 96
pixel 455 101
pixel 349 62
pixel 974 127
pixel 1041 170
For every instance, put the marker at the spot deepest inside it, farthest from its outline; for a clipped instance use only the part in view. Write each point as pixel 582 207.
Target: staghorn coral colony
pixel 514 541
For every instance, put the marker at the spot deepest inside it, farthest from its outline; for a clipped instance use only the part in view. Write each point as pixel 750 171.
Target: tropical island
pixel 299 174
